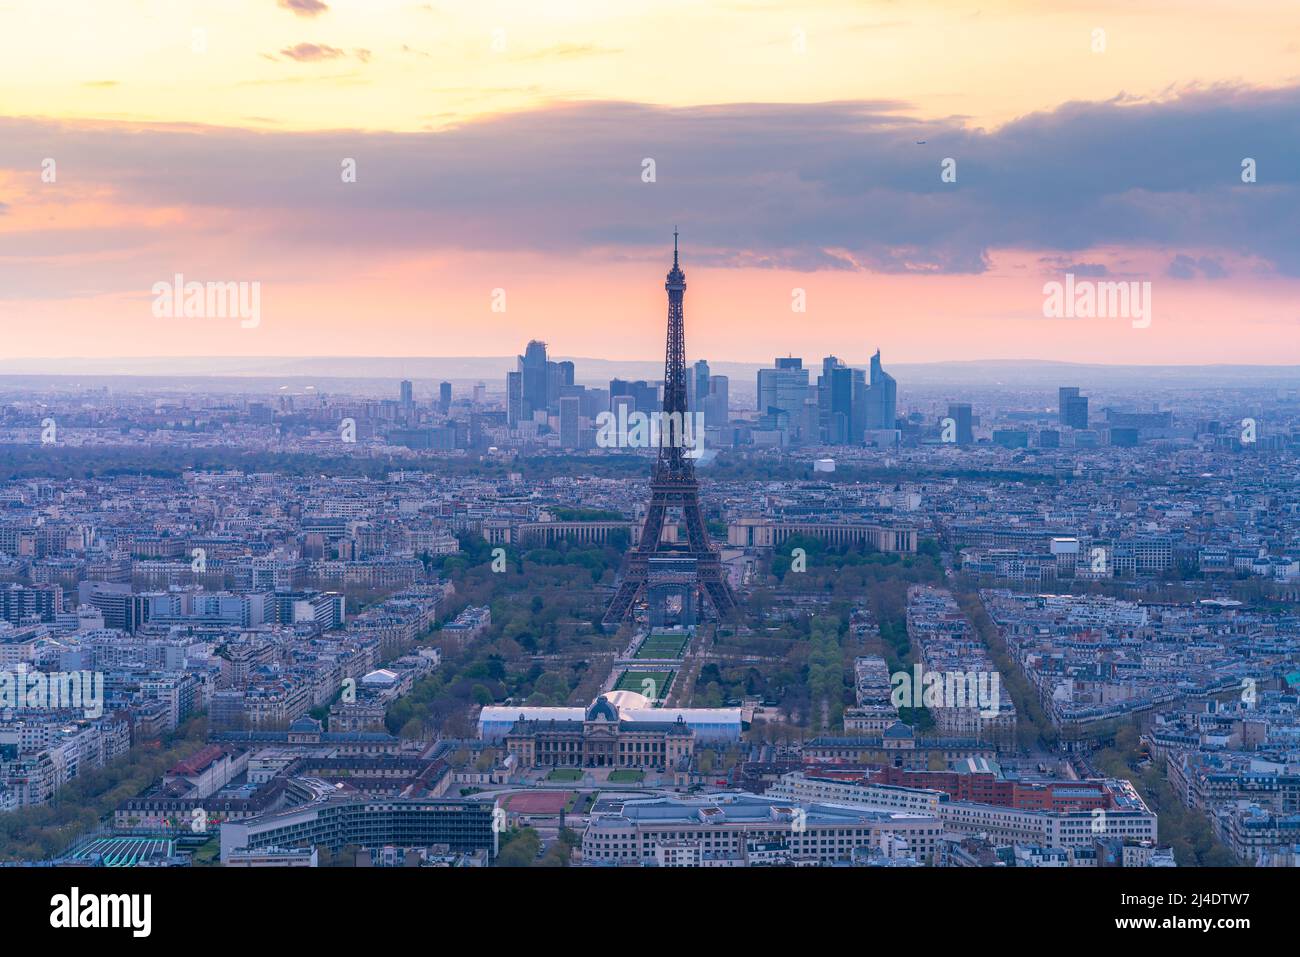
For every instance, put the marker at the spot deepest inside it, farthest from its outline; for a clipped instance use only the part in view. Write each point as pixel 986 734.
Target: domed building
pixel 620 729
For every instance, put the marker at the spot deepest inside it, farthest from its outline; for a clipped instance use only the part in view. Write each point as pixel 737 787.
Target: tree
pixel 519 848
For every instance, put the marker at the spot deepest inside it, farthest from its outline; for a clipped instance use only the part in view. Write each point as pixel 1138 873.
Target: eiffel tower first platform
pixel 674 487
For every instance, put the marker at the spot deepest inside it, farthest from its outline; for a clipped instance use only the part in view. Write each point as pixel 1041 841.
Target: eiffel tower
pixel 674 486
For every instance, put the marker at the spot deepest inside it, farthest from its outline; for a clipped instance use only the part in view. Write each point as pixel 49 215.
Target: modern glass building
pixel 334 822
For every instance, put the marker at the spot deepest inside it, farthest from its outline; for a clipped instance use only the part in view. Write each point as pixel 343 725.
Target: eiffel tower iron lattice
pixel 674 485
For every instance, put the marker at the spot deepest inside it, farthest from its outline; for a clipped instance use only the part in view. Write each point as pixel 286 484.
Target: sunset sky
pixel 797 146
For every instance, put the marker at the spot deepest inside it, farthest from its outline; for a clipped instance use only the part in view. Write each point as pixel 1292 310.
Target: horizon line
pixel 655 359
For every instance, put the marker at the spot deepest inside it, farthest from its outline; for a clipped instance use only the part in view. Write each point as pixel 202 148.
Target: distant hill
pixel 376 372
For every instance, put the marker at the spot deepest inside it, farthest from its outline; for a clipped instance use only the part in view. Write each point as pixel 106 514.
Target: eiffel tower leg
pixel 621 605
pixel 696 531
pixel 713 577
pixel 724 603
pixel 653 529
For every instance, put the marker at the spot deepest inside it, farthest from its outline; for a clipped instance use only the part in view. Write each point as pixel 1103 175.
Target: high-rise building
pixel 407 392
pixel 514 399
pixel 882 398
pixel 824 400
pixel 1072 408
pixel 594 402
pixel 121 608
pixel 570 411
pixel 622 406
pixel 18 602
pixel 717 410
pixel 535 378
pixel 809 421
pixel 858 406
pixel 444 397
pixel 621 388
pixel 698 386
pixel 960 413
pixel 841 405
pixel 645 395
pixel 554 384
pixel 784 389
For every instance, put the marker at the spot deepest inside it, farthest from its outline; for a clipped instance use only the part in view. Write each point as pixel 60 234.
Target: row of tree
pixel 38 833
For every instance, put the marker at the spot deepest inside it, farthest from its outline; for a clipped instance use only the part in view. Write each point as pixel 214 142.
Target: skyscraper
pixel 535 378
pixel 858 406
pixel 554 383
pixel 645 395
pixel 407 392
pixel 841 405
pixel 698 386
pixel 882 398
pixel 444 397
pixel 717 409
pixel 960 413
pixel 622 406
pixel 783 387
pixel 824 401
pixel 570 410
pixel 514 399
pixel 1072 408
pixel 782 397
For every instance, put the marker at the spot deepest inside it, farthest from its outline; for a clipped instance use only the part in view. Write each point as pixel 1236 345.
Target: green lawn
pixel 663 646
pixel 653 684
pixel 626 776
pixel 564 774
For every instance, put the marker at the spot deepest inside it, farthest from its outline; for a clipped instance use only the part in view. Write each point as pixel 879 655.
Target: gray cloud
pixel 1183 266
pixel 818 186
pixel 1057 264
pixel 303 8
pixel 312 52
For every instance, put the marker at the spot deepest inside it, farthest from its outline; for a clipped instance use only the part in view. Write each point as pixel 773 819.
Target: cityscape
pixel 694 436
pixel 864 626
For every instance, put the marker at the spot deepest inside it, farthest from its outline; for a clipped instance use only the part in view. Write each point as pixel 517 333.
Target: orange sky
pixel 441 91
